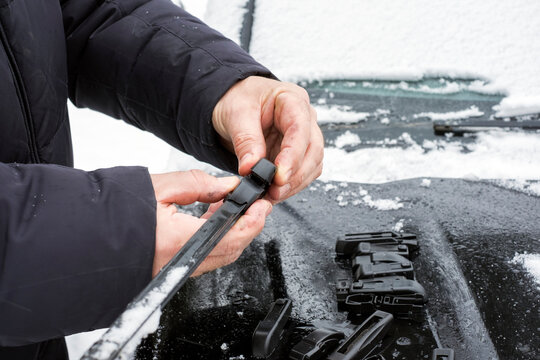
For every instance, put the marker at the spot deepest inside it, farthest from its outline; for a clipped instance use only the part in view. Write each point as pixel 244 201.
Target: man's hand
pixel 260 117
pixel 174 229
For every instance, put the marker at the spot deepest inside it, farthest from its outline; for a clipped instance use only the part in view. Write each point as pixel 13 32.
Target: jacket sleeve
pixel 156 67
pixel 75 248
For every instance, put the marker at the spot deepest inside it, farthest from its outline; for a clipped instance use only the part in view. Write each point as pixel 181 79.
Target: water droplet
pixel 403 341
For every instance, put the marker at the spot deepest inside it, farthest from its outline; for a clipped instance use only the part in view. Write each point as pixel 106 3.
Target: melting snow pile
pixel 347 139
pixel 454 115
pixel 399 226
pixel 496 41
pixel 531 187
pixel 359 197
pixel 494 155
pixel 531 263
pixel 342 114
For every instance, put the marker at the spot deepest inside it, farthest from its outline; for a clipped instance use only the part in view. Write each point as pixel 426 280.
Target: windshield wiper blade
pixel 146 307
pixel 472 126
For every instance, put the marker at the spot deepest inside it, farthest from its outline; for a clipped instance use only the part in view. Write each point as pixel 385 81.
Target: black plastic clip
pixel 402 306
pixel 366 248
pixel 347 245
pixel 316 345
pixel 381 264
pixel 442 354
pixel 270 330
pixel 388 285
pixel 252 186
pixel 365 338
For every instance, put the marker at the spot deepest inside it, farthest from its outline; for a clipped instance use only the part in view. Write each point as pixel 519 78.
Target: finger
pixel 293 117
pixel 310 170
pixel 246 228
pixel 247 137
pixel 238 238
pixel 211 210
pixel 186 187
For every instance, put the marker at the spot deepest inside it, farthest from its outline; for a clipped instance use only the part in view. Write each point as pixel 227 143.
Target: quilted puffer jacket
pixel 76 246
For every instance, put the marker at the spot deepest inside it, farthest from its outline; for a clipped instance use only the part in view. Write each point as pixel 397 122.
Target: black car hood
pixel 480 303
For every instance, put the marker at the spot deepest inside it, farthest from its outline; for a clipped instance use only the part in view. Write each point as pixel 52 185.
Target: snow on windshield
pixel 382 39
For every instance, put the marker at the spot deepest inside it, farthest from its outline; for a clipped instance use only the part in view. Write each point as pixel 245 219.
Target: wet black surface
pixel 479 303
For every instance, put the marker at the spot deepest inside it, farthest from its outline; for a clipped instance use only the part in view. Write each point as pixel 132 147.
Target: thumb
pixel 186 187
pixel 248 141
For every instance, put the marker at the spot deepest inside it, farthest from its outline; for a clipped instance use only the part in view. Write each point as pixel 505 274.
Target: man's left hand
pixel 260 117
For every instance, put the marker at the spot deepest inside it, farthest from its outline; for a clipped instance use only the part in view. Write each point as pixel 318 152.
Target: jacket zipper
pixel 23 99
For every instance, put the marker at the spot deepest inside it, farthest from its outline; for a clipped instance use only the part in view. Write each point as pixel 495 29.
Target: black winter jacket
pixel 75 246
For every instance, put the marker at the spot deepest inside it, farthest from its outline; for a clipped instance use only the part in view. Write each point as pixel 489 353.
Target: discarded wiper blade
pixel 365 248
pixel 402 306
pixel 465 127
pixel 381 264
pixel 269 332
pixel 391 285
pixel 148 304
pixel 316 345
pixel 347 245
pixel 442 354
pixel 365 338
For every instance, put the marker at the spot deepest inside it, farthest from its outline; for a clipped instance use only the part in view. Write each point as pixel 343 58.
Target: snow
pixel 512 106
pixel 101 142
pixel 338 114
pixel 347 139
pixel 454 115
pixel 531 187
pixel 360 197
pixel 196 8
pixel 399 226
pixel 78 344
pixel 382 204
pixel 131 319
pixel 494 155
pixel 493 41
pixel 444 86
pixel 425 183
pixel 531 263
pixel 227 17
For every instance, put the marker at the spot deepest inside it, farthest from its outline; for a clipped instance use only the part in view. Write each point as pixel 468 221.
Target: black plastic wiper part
pixel 270 330
pixel 365 248
pixel 468 127
pixel 316 345
pixel 365 338
pixel 172 277
pixel 401 306
pixel 442 354
pixel 347 245
pixel 381 264
pixel 388 285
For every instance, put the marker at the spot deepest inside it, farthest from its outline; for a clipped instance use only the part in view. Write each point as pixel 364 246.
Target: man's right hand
pixel 174 229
